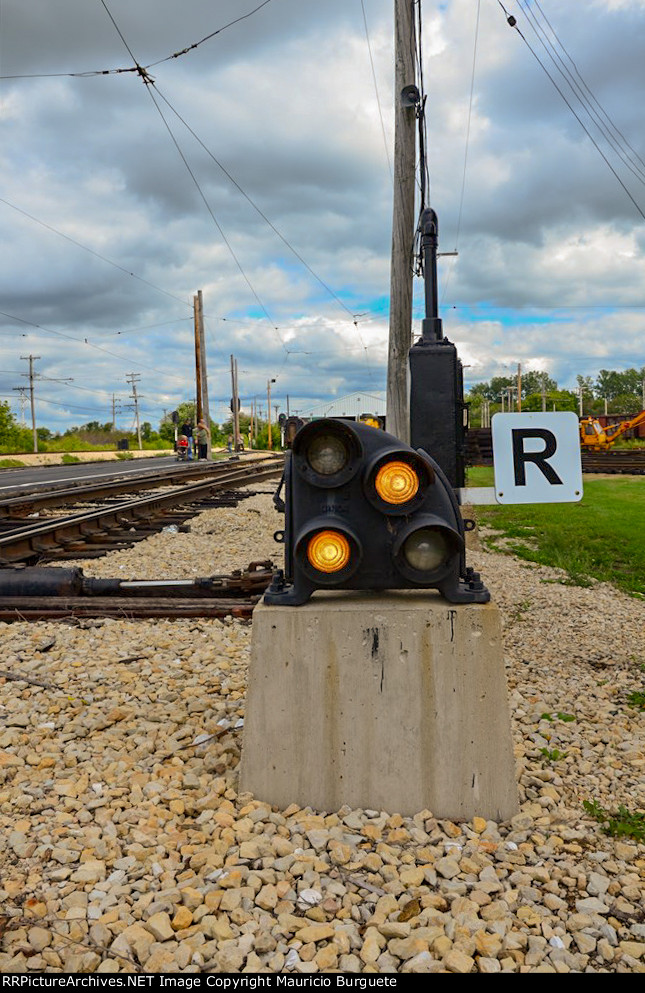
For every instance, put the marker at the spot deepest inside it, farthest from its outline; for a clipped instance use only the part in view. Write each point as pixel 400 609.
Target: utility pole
pixel 543 391
pixel 23 403
pixel 115 403
pixel 132 380
pixel 519 388
pixel 235 404
pixel 32 359
pixel 580 399
pixel 288 399
pixel 204 377
pixel 269 438
pixel 400 337
pixel 198 361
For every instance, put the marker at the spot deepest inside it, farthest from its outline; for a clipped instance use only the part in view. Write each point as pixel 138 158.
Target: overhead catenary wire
pixel 91 251
pixel 149 83
pixel 466 148
pixel 579 93
pixel 136 68
pixel 378 99
pixel 254 204
pixel 512 22
pixel 85 341
pixel 610 122
pixel 147 79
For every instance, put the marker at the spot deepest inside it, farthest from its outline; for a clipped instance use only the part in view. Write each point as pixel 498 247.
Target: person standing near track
pixel 203 435
pixel 187 430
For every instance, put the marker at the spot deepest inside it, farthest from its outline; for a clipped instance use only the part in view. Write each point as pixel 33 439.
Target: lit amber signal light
pixel 328 551
pixel 396 482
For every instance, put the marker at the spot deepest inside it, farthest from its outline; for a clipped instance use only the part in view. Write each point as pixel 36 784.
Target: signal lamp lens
pixel 328 551
pixel 425 550
pixel 327 454
pixel 396 482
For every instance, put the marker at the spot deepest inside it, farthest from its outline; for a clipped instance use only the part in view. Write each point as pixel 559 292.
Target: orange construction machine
pixel 596 438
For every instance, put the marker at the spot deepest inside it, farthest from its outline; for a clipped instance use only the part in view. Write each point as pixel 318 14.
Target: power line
pixel 85 341
pixel 91 251
pixel 149 83
pixel 513 24
pixel 254 205
pixel 463 180
pixel 150 86
pixel 196 44
pixel 136 68
pixel 567 76
pixel 378 99
pixel 614 127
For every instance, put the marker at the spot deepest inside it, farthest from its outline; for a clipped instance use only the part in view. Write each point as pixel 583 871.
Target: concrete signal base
pixel 392 701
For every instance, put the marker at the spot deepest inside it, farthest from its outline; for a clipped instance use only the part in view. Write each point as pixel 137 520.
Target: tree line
pixel 611 392
pixel 96 436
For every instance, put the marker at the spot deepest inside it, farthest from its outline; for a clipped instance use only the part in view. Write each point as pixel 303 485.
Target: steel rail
pixel 52 608
pixel 28 501
pixel 33 541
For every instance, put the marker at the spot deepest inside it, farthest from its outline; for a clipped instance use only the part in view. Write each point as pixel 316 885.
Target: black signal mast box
pixel 438 414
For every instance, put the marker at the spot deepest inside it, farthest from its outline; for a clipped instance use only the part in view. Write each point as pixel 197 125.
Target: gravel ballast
pixel 125 846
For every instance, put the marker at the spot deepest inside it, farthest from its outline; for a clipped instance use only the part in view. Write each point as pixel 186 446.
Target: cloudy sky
pixel 118 201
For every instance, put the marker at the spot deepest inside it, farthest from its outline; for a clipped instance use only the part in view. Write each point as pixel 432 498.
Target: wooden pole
pixel 400 339
pixel 198 362
pixel 204 377
pixel 269 439
pixel 519 388
pixel 236 422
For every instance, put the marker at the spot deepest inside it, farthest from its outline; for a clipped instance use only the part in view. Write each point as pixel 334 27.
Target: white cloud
pixel 550 248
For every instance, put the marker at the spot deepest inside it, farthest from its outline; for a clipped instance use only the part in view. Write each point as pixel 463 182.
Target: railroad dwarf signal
pixel 365 512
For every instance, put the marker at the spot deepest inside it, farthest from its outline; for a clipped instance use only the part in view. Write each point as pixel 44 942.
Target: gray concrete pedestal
pixel 393 701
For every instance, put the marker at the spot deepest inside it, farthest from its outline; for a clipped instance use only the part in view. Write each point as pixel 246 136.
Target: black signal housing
pixel 384 516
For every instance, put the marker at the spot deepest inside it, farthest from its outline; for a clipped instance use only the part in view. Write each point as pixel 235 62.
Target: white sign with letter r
pixel 537 458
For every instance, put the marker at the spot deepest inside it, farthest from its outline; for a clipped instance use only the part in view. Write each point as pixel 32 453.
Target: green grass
pixel 601 537
pixel 69 459
pixel 12 464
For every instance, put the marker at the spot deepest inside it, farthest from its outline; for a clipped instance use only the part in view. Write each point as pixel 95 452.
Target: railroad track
pixel 35 594
pixel 58 494
pixel 95 532
pixel 621 462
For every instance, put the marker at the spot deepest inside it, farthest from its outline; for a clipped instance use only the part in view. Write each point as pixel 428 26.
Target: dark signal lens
pixel 327 454
pixel 425 550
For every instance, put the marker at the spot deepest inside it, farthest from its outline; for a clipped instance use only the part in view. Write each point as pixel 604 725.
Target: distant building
pixel 352 405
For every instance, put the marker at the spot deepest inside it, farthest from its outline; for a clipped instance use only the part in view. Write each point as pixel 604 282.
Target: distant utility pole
pixel 198 359
pixel 519 388
pixel 115 403
pixel 23 403
pixel 204 376
pixel 31 359
pixel 269 438
pixel 401 277
pixel 543 391
pixel 580 399
pixel 132 380
pixel 235 401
